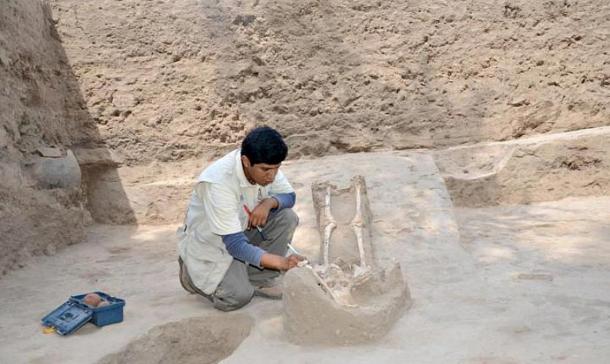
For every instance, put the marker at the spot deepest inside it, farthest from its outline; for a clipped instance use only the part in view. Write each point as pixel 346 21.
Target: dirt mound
pixel 168 80
pixel 201 340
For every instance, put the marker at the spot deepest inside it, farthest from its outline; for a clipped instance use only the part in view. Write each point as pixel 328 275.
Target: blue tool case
pixel 74 313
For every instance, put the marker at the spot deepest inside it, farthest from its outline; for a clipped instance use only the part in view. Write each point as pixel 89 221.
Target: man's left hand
pixel 260 214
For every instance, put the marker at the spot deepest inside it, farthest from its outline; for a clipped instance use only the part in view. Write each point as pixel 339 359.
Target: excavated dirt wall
pixel 573 164
pixel 167 80
pixel 45 131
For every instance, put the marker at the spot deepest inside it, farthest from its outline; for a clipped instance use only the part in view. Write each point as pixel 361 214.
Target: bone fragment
pixel 358 225
pixel 330 226
pixel 324 285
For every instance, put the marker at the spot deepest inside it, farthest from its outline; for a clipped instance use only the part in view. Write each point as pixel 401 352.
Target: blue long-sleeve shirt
pixel 240 248
pixel 285 200
pixel 238 244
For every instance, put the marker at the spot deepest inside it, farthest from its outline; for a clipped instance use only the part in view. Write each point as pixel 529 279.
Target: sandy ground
pixel 522 284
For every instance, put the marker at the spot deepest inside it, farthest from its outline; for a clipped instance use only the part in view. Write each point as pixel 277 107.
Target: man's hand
pixel 260 214
pixel 293 260
pixel 280 263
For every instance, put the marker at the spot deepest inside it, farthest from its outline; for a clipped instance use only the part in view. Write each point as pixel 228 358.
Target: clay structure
pixel 349 296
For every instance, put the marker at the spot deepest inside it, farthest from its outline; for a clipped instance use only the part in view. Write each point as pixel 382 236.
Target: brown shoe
pixel 185 280
pixel 273 292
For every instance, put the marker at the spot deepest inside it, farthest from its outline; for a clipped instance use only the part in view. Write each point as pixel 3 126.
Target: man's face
pixel 260 173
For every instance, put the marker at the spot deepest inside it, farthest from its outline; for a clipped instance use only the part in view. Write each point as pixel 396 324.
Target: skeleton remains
pixel 346 297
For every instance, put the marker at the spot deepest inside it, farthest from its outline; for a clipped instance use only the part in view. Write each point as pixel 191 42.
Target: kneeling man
pixel 238 225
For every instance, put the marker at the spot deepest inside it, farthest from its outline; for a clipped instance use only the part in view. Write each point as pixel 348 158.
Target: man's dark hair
pixel 264 145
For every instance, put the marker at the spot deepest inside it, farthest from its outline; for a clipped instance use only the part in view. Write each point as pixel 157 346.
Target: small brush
pixel 290 247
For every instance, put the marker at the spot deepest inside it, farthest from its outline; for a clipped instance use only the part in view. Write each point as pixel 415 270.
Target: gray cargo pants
pixel 237 287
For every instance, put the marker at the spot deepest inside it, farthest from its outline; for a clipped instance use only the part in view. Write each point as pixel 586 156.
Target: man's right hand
pixel 293 260
pixel 277 262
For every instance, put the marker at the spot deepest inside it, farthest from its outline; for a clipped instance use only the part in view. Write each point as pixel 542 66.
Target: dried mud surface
pixel 168 80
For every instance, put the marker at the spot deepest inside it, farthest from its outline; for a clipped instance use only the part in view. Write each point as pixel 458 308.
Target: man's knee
pixel 232 300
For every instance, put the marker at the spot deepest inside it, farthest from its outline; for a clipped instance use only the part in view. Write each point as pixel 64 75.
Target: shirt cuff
pixel 285 200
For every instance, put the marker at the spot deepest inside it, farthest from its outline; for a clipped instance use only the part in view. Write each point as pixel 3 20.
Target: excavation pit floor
pixel 508 284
